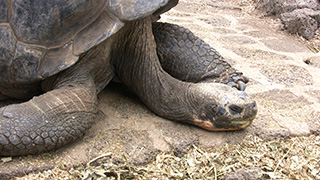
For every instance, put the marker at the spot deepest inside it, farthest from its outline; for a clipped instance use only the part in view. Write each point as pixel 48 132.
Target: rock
pixel 277 7
pixel 313 61
pixel 301 21
pixel 297 16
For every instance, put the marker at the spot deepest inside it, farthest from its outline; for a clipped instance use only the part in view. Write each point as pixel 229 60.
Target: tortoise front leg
pixel 48 121
pixel 212 106
pixel 186 57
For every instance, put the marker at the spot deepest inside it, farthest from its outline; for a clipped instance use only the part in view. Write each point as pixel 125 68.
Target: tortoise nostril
pixel 234 109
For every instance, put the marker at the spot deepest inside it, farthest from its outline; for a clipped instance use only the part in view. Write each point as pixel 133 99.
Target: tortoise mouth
pixel 233 125
pixel 223 125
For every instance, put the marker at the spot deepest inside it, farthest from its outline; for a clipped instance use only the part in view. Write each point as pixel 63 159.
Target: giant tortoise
pixel 58 55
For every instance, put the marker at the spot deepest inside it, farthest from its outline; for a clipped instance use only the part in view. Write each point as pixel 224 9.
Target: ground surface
pixel 285 82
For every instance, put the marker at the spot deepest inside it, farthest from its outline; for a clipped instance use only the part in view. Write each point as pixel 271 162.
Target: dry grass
pixel 294 158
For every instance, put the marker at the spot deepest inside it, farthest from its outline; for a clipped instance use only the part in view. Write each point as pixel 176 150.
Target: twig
pixel 283 157
pixel 215 173
pixel 101 156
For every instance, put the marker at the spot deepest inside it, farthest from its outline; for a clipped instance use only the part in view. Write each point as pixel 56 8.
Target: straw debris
pixel 294 158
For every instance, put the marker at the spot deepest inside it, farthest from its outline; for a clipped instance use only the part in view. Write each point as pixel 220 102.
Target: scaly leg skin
pixel 63 113
pixel 49 121
pixel 212 106
pixel 188 58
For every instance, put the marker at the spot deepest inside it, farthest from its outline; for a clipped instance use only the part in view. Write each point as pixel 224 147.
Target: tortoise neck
pixel 137 65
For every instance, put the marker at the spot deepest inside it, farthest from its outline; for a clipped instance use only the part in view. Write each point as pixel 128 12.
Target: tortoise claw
pixel 232 84
pixel 245 79
pixel 241 85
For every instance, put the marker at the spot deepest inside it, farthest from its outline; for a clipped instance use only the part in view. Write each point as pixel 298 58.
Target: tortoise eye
pixel 234 109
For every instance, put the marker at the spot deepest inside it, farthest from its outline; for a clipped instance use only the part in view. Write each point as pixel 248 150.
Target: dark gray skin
pixel 69 105
pixel 188 58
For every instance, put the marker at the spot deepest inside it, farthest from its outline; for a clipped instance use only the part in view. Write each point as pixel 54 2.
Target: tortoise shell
pixel 39 38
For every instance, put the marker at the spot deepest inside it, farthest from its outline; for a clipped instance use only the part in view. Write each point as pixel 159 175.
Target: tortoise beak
pixel 231 126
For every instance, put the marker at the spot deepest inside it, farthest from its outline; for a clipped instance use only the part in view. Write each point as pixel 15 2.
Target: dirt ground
pixel 130 142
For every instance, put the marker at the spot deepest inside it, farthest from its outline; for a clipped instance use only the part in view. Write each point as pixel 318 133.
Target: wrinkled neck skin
pixel 136 64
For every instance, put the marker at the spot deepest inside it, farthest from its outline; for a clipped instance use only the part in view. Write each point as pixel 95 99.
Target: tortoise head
pixel 218 107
